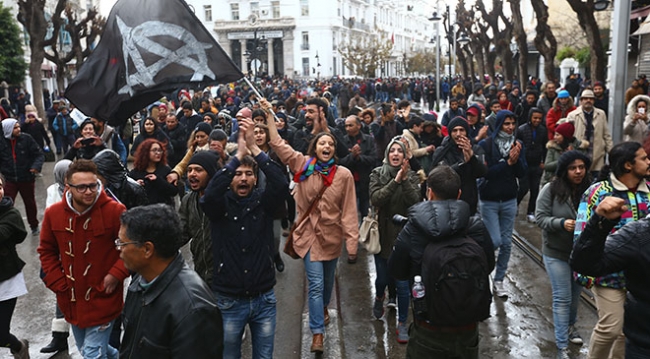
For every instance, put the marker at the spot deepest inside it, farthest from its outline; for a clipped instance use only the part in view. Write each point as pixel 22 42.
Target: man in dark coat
pixel 534 137
pixel 360 161
pixel 169 311
pixel 20 160
pixel 241 216
pixel 466 159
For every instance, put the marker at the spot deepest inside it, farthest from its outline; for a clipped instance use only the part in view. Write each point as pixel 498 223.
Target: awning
pixel 643 29
pixel 641 12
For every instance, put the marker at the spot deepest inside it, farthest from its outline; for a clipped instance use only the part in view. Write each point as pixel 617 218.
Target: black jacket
pixel 449 154
pixel 597 253
pixel 302 139
pixel 242 229
pixel 27 154
pixel 435 221
pixel 175 317
pixel 37 131
pixel 534 140
pixel 363 165
pixel 118 183
pixel 178 139
pixel 158 191
pixel 12 232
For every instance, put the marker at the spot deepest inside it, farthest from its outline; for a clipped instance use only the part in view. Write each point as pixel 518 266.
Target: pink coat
pixel 333 220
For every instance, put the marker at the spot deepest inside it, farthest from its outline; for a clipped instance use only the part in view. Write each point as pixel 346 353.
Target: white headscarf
pixel 8 127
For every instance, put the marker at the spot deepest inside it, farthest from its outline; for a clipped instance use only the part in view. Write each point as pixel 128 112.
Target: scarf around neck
pixel 313 165
pixel 504 142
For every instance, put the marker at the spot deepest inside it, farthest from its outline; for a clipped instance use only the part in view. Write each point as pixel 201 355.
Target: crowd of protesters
pixel 225 160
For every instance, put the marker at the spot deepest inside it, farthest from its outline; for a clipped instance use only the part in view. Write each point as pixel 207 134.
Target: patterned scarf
pixel 313 165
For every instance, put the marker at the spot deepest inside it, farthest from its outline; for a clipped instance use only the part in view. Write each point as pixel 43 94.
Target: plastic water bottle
pixel 418 293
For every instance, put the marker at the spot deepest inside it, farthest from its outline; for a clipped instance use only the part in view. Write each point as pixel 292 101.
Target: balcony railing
pixel 304 47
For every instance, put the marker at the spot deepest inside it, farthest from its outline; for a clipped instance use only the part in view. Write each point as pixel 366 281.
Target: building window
pixel 335 72
pixel 207 9
pixel 255 8
pixel 275 9
pixel 234 10
pixel 304 7
pixel 305 41
pixel 305 66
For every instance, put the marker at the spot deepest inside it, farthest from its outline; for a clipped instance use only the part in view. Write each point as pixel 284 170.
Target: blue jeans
pixel 92 342
pixel 499 219
pixel 320 276
pixel 258 312
pixel 566 295
pixel 382 281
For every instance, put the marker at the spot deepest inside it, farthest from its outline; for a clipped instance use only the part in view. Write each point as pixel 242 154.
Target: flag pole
pixel 259 95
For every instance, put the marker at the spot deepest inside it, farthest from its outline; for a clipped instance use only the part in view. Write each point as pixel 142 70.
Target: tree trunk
pixel 60 77
pixel 520 38
pixel 544 39
pixel 462 60
pixel 35 73
pixel 587 21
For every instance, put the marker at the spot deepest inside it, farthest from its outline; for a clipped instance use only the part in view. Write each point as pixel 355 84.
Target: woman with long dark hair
pixel 150 170
pixel 12 282
pixel 319 238
pixel 556 212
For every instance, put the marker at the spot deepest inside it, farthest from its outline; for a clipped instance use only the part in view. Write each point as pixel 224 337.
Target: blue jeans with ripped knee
pixel 259 313
pixel 92 342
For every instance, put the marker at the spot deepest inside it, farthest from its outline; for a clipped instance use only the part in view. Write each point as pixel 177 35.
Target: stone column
pixel 287 50
pixel 269 46
pixel 244 65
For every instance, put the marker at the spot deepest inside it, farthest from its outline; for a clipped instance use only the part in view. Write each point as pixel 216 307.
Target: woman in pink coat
pixel 319 238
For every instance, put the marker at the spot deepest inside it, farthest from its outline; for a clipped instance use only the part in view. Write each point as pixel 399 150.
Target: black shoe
pixel 279 264
pixel 59 343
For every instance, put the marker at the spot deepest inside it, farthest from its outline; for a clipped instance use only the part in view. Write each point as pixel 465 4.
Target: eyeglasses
pixel 119 244
pixel 82 188
pixel 157 150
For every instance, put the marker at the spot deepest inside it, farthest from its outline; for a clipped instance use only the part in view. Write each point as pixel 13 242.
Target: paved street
pixel 520 327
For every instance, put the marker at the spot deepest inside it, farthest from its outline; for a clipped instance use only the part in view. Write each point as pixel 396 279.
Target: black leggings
pixel 7 340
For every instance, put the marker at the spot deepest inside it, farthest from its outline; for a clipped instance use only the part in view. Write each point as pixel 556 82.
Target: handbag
pixel 288 246
pixel 369 233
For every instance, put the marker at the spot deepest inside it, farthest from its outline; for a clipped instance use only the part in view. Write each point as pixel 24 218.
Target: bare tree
pixel 31 14
pixel 520 38
pixel 364 56
pixel 473 52
pixel 501 34
pixel 88 28
pixel 544 39
pixel 588 24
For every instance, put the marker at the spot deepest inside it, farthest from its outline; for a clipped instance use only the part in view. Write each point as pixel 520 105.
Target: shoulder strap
pixel 312 205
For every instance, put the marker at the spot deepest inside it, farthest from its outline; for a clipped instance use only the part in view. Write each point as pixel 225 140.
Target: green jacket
pixel 196 227
pixel 553 153
pixel 550 214
pixel 392 198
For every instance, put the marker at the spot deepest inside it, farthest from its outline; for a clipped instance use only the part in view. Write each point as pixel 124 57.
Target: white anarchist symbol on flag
pixel 190 55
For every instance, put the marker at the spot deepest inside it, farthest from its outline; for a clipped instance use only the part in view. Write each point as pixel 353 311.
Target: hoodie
pixel 500 182
pixel 431 221
pixel 636 130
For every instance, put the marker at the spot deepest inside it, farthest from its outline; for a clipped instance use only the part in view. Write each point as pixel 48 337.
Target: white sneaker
pixel 574 336
pixel 499 291
pixel 531 218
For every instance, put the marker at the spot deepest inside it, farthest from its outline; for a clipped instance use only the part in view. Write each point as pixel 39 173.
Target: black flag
pixel 148 48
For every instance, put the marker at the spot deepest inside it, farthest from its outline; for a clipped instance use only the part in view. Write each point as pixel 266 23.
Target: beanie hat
pixel 458 121
pixel 473 110
pixel 566 130
pixel 567 158
pixel 563 94
pixel 209 160
pixel 8 127
pixel 281 115
pixel 245 113
pixel 212 116
pixel 203 127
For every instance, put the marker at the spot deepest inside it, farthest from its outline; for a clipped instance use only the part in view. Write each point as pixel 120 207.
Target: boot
pixel 60 335
pixel 327 316
pixel 317 344
pixel 23 353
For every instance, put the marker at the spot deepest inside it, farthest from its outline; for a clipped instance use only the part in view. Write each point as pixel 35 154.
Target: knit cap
pixel 458 121
pixel 203 127
pixel 566 130
pixel 563 94
pixel 209 160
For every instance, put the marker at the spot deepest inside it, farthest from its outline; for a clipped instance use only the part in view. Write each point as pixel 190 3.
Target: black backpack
pixel 455 276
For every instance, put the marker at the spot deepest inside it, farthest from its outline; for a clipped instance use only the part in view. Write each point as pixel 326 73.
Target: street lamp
pixel 436 18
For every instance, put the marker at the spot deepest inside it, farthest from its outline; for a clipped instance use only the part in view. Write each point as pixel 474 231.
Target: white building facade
pixel 301 38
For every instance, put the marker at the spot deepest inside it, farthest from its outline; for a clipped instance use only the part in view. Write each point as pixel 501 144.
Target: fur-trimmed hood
pixel 631 107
